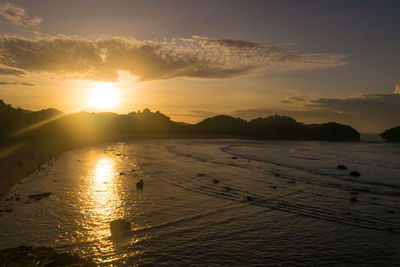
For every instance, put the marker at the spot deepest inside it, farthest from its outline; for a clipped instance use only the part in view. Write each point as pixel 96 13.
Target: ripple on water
pixel 182 216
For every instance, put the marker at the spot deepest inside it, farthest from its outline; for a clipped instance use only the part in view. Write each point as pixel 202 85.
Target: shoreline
pixel 20 159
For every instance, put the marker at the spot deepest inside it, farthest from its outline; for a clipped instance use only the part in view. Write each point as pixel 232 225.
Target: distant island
pixel 18 124
pixel 391 135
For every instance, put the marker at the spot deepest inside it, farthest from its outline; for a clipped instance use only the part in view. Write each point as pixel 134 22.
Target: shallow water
pixel 299 212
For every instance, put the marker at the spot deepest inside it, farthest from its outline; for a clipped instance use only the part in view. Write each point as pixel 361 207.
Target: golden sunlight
pixel 104 96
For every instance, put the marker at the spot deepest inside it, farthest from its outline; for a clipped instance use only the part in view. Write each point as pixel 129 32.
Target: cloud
pixel 234 43
pixel 196 114
pixel 367 113
pixel 197 57
pixel 293 99
pixel 16 83
pixel 18 15
pixel 27 84
pixel 7 71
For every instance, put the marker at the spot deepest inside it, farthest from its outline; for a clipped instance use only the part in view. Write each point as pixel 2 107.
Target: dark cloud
pixel 27 84
pixel 16 83
pixel 7 71
pixel 196 114
pixel 294 99
pixel 18 15
pixel 368 113
pixel 300 98
pixel 234 43
pixel 153 60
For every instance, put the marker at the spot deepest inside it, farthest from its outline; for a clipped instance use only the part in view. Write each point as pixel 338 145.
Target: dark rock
pixel 39 196
pixel 216 181
pixel 40 256
pixel 249 198
pixel 391 211
pixel 355 174
pixel 273 186
pixel 8 210
pixel 341 167
pixel 353 199
pixel 119 226
pixel 277 174
pixel 122 173
pixel 201 174
pixel 234 157
pixel 139 184
pixel 227 188
pixel 291 182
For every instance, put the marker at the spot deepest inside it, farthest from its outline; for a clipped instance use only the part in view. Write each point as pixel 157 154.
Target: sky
pixel 316 61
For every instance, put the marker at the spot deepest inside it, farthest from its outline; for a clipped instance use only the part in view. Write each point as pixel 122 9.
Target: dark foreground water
pixel 215 202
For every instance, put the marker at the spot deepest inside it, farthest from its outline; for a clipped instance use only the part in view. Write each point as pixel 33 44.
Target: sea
pixel 214 202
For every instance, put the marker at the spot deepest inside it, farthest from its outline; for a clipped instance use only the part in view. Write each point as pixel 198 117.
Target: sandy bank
pixel 18 160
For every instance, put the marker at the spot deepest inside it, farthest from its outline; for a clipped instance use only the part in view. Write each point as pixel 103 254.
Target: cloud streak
pixel 16 83
pixel 18 16
pixel 196 57
pixel 8 71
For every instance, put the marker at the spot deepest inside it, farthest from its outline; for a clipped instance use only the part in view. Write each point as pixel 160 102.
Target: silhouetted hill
pixel 85 127
pixel 13 119
pixel 391 135
pixel 221 124
pixel 277 127
pixel 333 131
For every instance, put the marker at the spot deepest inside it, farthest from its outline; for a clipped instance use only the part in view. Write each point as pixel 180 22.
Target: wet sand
pixel 18 160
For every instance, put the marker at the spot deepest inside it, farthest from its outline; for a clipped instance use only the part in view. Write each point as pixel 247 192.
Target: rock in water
pixel 139 184
pixel 354 173
pixel 341 167
pixel 40 256
pixel 353 199
pixel 39 196
pixel 119 226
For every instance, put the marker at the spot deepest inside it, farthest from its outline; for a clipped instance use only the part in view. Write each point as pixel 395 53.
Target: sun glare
pixel 104 96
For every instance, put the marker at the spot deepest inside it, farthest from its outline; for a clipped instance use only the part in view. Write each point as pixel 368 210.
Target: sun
pixel 104 96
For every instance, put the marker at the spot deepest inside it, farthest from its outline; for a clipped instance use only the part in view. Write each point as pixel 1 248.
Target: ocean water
pixel 215 202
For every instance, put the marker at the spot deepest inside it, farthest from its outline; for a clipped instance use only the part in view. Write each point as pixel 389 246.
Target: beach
pixel 213 202
pixel 20 159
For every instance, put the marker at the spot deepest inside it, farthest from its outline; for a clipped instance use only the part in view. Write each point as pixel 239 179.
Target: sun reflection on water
pixel 103 192
pixel 103 203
